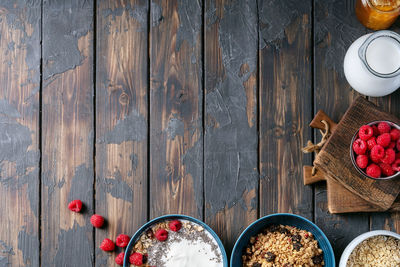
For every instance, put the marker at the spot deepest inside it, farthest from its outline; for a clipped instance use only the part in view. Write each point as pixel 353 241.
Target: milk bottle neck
pixel 380 53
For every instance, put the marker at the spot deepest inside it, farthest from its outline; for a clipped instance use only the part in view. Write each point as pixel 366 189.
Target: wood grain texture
pixel 285 77
pixel 176 139
pixel 334 158
pixel 230 149
pixel 19 133
pixel 390 220
pixel 67 132
pixel 121 119
pixel 335 28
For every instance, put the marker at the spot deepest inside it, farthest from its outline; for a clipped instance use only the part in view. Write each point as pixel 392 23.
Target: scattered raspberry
pixel 75 205
pixel 359 147
pixel 122 240
pixel 383 139
pixel 395 134
pixel 386 169
pixel 365 132
pixel 374 171
pixel 161 235
pixel 371 143
pixel 389 157
pixel 377 153
pixel 107 245
pixel 375 129
pixel 396 165
pixel 383 127
pixel 120 259
pixel 97 220
pixel 175 225
pixel 362 161
pixel 137 259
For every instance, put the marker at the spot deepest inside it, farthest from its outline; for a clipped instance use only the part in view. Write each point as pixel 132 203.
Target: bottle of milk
pixel 372 63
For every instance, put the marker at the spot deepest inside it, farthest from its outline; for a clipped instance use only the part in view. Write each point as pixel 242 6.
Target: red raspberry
pixel 395 134
pixel 396 165
pixel 383 127
pixel 398 155
pixel 386 169
pixel 107 245
pixel 122 240
pixel 161 235
pixel 389 157
pixel 120 259
pixel 398 145
pixel 375 129
pixel 392 145
pixel 75 205
pixel 137 259
pixel 175 225
pixel 365 132
pixel 383 139
pixel 97 220
pixel 359 147
pixel 371 143
pixel 374 171
pixel 377 153
pixel 362 161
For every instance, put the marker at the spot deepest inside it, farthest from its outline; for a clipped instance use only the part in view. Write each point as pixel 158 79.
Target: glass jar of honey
pixel 377 14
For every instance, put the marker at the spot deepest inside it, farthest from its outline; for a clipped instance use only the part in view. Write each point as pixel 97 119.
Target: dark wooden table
pixel 145 108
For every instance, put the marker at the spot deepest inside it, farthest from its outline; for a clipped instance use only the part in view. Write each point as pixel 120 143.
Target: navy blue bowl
pixel 284 219
pixel 139 232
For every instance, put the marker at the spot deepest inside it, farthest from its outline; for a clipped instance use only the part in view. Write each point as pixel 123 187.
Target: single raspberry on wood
pixel 161 234
pixel 383 127
pixel 387 170
pixel 384 139
pixel 175 225
pixel 371 143
pixel 107 245
pixel 122 240
pixel 395 134
pixel 365 132
pixel 374 171
pixel 120 259
pixel 377 153
pixel 362 161
pixel 97 220
pixel 137 259
pixel 75 205
pixel 359 147
pixel 389 157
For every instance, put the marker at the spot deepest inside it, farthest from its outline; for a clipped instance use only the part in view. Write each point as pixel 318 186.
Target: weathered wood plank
pixel 176 140
pixel 230 149
pixel 335 28
pixel 19 133
pixel 285 105
pixel 67 132
pixel 388 221
pixel 121 119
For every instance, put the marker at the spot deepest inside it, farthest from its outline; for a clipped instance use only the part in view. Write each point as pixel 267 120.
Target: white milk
pixel 372 63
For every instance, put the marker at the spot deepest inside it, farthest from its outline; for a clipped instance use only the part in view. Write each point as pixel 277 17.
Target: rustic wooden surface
pixel 147 107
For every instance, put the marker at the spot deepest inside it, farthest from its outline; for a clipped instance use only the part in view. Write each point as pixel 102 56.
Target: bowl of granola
pixel 175 240
pixel 379 248
pixel 282 240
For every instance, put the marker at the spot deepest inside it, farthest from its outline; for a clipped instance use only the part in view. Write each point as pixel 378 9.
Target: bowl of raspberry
pixel 375 150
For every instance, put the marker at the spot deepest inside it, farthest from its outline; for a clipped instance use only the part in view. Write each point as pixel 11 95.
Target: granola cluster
pixel 280 245
pixel 377 251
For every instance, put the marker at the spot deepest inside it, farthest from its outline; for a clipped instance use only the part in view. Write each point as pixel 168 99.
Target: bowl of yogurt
pixel 175 240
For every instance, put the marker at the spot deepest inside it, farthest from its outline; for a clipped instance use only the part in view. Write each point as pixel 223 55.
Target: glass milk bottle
pixel 372 63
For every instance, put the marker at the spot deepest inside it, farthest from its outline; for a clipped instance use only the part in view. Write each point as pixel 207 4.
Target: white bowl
pixel 356 241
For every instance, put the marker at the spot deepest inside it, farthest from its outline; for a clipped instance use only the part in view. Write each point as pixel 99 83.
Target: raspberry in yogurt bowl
pixel 175 240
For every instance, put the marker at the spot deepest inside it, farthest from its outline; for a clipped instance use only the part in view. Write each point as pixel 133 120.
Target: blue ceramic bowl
pixel 138 233
pixel 284 219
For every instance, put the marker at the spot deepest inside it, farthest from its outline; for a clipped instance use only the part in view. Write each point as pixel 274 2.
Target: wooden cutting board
pixel 342 197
